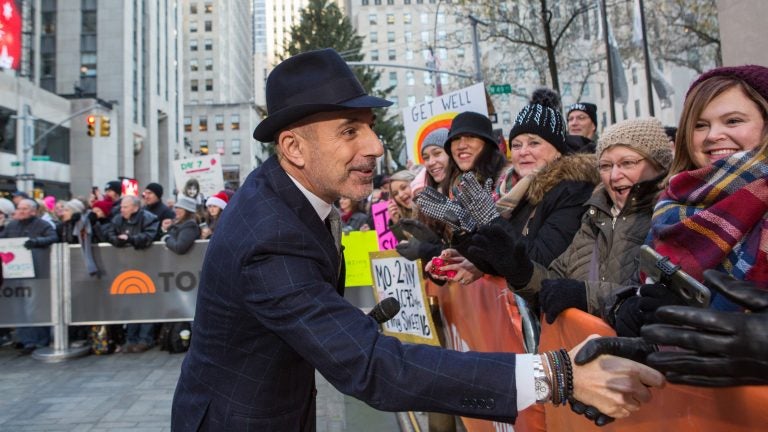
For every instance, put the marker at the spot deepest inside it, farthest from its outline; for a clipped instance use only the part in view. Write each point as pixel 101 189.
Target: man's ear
pixel 291 147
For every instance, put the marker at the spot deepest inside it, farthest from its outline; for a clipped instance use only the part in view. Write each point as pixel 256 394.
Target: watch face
pixel 542 390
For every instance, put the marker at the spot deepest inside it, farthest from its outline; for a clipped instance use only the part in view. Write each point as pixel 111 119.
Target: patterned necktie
pixel 333 222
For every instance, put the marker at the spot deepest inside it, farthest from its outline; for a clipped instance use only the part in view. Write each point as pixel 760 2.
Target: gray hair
pixel 136 201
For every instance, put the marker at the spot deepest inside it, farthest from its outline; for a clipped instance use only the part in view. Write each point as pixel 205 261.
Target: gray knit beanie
pixel 435 138
pixel 644 135
pixel 75 205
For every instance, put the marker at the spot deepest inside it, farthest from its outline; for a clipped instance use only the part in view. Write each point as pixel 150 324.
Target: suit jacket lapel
pixel 292 196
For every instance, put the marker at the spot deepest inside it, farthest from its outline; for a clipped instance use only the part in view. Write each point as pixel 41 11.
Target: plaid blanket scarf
pixel 715 217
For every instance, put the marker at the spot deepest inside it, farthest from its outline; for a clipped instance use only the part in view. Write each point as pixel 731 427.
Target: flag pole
pixel 648 82
pixel 604 18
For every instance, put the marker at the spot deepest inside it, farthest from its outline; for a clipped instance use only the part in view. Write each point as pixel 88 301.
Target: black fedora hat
pixel 470 123
pixel 310 83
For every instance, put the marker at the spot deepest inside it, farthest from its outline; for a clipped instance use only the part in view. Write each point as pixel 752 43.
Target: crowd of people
pixel 560 214
pixel 563 217
pixel 109 217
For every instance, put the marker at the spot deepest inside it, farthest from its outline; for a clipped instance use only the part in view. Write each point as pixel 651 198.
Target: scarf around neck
pixel 716 217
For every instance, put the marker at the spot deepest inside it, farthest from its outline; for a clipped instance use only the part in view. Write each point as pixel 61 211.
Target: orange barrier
pixel 673 408
pixel 483 316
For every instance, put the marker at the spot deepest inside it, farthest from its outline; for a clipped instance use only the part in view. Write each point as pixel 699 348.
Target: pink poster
pixel 387 239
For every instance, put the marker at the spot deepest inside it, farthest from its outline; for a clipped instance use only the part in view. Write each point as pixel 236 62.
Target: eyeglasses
pixel 624 165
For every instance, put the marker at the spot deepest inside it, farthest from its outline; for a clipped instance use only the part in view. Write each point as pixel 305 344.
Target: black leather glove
pixel 414 249
pixel 498 245
pixel 557 295
pixel 31 243
pixel 462 242
pixel 477 199
pixel 636 349
pixel 418 230
pixel 437 206
pixel 590 412
pixel 639 310
pixel 729 348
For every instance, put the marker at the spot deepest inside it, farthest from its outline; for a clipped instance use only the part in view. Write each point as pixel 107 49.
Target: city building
pixel 219 109
pixel 117 63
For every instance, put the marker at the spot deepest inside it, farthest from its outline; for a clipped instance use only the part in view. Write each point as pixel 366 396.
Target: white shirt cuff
pixel 526 388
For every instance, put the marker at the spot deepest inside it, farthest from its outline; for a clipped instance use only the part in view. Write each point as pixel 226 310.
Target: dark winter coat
pixel 550 214
pixel 141 228
pixel 605 246
pixel 162 212
pixel 38 230
pixel 181 237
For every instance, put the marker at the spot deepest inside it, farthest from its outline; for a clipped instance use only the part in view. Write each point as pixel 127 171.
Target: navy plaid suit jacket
pixel 268 314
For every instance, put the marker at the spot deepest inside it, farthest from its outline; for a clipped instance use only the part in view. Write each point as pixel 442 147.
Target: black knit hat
pixel 470 123
pixel 542 121
pixel 115 186
pixel 586 107
pixel 156 189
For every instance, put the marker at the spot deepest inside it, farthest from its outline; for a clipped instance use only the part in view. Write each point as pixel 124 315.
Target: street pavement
pixel 131 392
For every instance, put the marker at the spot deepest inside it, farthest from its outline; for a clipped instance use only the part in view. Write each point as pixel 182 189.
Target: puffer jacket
pixel 605 246
pixel 550 214
pixel 181 236
pixel 141 229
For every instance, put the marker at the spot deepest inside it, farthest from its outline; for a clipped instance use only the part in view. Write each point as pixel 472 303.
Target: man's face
pixel 128 208
pixel 149 197
pixel 579 123
pixel 338 153
pixel 24 210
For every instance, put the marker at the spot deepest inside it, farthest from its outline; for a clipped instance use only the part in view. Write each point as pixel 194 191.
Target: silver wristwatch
pixel 541 382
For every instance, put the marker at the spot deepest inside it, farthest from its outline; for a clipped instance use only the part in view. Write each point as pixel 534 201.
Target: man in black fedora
pixel 270 308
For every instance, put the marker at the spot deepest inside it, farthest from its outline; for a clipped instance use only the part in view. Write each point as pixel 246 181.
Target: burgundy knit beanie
pixel 755 76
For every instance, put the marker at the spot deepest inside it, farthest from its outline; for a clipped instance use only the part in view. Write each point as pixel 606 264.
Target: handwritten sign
pixel 203 173
pixel 387 239
pixel 421 119
pixel 357 246
pixel 17 260
pixel 396 276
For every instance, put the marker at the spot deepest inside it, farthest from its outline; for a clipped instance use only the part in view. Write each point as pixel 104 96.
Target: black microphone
pixel 385 310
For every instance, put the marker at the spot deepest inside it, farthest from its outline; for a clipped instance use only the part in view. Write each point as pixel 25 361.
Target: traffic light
pixel 91 125
pixel 104 129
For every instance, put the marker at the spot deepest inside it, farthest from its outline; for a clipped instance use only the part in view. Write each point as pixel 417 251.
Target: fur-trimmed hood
pixel 575 167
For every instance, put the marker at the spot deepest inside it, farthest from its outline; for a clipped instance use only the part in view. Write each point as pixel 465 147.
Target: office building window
pixel 409 79
pixel 208 7
pixel 637 107
pixel 193 65
pixel 209 64
pixel 193 44
pixel 390 37
pixel 372 19
pixel 209 84
pixel 393 78
pixel 220 147
pixel 411 100
pixel 193 85
pixel 203 147
pixel 364 3
pixel 235 146
pixel 408 36
pixel 208 26
pixel 208 44
pixel 234 121
pixel 193 8
pixel 407 19
pixel 219 120
pixel 373 37
pixel 187 124
pixel 193 26
pixel 375 55
pixel 202 124
pixel 392 54
pixel 428 78
pixel 390 19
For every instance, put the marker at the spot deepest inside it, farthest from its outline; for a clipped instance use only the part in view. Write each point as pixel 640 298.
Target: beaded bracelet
pixel 568 374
